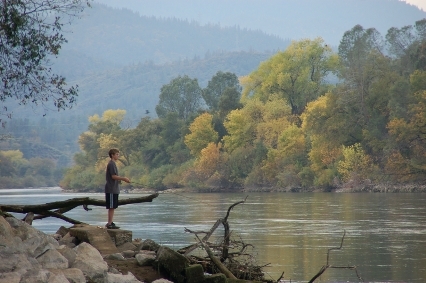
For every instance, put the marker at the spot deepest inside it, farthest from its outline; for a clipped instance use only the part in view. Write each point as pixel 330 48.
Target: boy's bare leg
pixel 110 215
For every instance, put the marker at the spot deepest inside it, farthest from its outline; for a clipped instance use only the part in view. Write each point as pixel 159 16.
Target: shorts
pixel 111 200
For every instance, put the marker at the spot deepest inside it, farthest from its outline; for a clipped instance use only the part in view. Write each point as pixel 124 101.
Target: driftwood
pixel 327 265
pixel 221 259
pixel 217 262
pixel 57 208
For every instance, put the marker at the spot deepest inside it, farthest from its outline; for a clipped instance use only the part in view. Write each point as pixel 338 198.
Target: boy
pixel 112 189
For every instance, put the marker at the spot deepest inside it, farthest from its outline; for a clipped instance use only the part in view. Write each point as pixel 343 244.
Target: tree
pixel 217 86
pixel 30 34
pixel 181 96
pixel 202 133
pixel 298 74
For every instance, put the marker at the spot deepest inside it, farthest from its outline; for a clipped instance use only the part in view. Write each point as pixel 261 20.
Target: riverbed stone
pixel 68 253
pixel 53 259
pixel 73 275
pixel 15 263
pixel 89 260
pixel 68 240
pixel 149 245
pixel 34 241
pixel 126 246
pixel 194 273
pixel 145 259
pixel 215 278
pixel 120 278
pixel 173 263
pixel 43 276
pixel 116 256
pixel 10 277
pixel 119 236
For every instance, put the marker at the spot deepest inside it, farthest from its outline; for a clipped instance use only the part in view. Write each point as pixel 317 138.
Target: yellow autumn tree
pixel 209 161
pixel 296 74
pixel 326 133
pixel 356 165
pixel 283 164
pixel 202 133
pixel 407 161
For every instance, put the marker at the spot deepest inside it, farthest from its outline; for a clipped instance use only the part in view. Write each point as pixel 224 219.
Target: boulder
pixel 68 253
pixel 120 278
pixel 145 259
pixel 89 260
pixel 10 277
pixel 73 275
pixel 53 259
pixel 149 245
pixel 173 263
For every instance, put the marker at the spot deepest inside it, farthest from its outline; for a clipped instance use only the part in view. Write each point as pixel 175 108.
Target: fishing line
pixel 170 192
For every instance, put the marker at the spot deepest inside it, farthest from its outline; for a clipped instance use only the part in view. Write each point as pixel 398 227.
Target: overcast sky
pixel 419 3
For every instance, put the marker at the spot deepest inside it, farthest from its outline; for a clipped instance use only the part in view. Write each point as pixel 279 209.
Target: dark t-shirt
pixel 111 186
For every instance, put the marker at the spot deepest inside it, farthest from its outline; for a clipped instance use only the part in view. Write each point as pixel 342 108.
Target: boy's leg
pixel 110 215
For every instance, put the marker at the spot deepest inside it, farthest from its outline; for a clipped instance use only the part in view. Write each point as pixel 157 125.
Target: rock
pixel 10 277
pixel 116 256
pixel 145 259
pixel 128 254
pixel 57 237
pixel 34 242
pixel 162 281
pixel 216 278
pixel 149 245
pixel 173 263
pixel 126 246
pixel 16 263
pixel 194 273
pixel 120 278
pixel 89 260
pixel 68 253
pixel 53 259
pixel 43 276
pixel 73 275
pixel 120 236
pixel 62 231
pixel 68 241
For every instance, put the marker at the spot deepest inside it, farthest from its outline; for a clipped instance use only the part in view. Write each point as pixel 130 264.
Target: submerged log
pixel 60 207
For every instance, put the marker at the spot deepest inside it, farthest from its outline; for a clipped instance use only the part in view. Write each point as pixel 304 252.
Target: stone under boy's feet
pixel 111 226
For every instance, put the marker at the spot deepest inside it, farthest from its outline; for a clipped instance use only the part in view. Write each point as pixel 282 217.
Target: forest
pixel 308 117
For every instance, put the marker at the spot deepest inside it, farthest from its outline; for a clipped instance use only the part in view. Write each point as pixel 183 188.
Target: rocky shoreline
pixel 28 255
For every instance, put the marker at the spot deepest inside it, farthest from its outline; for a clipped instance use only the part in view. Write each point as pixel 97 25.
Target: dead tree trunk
pixel 57 208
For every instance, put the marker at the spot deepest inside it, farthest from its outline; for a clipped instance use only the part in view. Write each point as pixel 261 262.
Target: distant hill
pixel 105 38
pixel 295 19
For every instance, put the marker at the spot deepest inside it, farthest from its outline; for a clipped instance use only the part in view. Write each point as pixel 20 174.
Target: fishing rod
pixel 169 192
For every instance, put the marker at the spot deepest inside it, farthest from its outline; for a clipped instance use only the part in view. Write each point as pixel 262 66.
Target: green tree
pixel 405 46
pixel 182 96
pixel 297 74
pixel 217 86
pixel 30 35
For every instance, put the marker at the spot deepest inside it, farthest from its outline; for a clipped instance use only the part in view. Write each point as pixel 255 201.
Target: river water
pixel 385 233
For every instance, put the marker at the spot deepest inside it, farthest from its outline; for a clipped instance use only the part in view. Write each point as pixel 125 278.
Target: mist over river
pixel 385 233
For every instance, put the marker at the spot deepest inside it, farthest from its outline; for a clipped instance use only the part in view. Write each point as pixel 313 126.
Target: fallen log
pixel 60 207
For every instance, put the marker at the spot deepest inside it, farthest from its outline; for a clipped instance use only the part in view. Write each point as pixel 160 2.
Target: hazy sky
pixel 419 3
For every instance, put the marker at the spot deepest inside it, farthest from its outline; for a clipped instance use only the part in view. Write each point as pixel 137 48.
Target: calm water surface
pixel 385 233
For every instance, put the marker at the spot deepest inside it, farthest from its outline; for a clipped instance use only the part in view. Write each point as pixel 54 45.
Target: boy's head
pixel 113 151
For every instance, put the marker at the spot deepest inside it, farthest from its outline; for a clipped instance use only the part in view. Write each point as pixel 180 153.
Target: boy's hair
pixel 113 151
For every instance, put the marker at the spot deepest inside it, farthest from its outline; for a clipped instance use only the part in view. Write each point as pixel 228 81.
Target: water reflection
pixel 385 233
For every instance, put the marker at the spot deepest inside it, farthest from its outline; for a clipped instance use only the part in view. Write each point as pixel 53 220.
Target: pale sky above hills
pixel 421 4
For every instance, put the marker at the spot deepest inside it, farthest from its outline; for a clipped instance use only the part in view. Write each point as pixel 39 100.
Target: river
pixel 385 233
